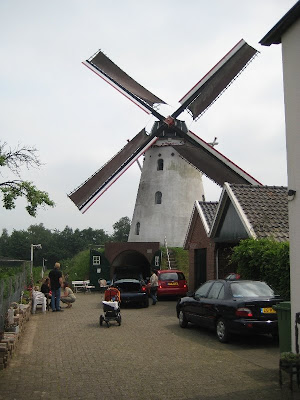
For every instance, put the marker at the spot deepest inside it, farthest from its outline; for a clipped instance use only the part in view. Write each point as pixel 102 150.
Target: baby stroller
pixel 111 307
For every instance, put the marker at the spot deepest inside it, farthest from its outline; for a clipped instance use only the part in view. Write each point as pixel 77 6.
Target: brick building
pixel 244 211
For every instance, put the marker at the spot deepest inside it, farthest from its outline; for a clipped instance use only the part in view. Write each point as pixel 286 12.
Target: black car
pixel 228 306
pixel 133 291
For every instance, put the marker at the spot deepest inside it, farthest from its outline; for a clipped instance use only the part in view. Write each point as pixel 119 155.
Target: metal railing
pixel 168 255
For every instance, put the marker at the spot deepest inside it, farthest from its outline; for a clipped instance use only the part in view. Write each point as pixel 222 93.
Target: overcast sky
pixel 51 101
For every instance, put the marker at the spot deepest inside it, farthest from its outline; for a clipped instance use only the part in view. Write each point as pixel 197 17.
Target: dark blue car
pixel 231 306
pixel 132 291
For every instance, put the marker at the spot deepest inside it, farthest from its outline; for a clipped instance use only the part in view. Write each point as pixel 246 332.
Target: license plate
pixel 268 310
pixel 172 283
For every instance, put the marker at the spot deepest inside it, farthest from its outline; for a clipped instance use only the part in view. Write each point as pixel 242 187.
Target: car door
pixel 194 308
pixel 212 303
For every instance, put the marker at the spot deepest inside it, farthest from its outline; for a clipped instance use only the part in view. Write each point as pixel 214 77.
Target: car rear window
pixel 128 286
pixel 251 289
pixel 171 276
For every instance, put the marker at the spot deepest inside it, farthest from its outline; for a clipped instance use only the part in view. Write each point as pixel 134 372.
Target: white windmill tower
pixel 174 157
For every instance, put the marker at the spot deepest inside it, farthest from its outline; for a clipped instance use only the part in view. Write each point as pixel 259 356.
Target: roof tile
pixel 266 208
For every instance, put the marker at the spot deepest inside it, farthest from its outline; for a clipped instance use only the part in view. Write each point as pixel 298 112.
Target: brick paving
pixel 68 355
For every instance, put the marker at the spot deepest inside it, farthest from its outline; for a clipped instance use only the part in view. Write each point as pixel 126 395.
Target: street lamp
pixel 43 269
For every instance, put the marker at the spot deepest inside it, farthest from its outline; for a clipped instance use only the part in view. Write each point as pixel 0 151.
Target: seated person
pixel 45 288
pixel 68 296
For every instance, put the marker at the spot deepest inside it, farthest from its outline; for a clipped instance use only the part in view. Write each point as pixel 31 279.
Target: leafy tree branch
pixel 12 189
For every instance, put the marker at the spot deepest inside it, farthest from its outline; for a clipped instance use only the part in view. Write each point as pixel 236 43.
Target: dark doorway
pixel 200 267
pixel 130 264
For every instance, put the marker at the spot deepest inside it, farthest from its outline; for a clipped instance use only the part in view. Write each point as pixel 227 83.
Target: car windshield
pixel 171 276
pixel 251 289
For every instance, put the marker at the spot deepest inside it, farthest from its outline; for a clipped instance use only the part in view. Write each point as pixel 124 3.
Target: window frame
pixel 96 260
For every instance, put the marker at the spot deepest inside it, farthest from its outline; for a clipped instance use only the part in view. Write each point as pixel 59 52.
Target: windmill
pixel 174 157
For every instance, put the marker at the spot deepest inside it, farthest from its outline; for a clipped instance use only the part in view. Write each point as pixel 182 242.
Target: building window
pixel 158 198
pixel 96 260
pixel 160 164
pixel 137 228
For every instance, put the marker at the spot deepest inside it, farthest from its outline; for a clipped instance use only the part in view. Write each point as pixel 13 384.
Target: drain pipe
pixel 217 264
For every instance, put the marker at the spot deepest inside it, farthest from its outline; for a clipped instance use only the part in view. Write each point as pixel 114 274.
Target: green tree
pixel 19 245
pixel 13 161
pixel 121 230
pixel 94 237
pixel 4 243
pixel 266 260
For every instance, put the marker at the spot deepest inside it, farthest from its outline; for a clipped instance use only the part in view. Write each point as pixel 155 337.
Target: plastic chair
pixel 102 284
pixel 38 298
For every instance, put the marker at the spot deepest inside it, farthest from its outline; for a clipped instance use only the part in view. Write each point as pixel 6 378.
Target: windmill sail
pixel 216 81
pixel 116 77
pixel 212 163
pixel 192 149
pixel 84 196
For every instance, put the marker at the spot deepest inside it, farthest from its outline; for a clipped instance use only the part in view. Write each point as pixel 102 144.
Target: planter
pixel 290 363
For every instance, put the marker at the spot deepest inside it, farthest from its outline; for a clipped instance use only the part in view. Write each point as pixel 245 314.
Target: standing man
pixel 153 287
pixel 56 283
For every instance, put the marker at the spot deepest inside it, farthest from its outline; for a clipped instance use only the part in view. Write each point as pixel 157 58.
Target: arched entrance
pixel 130 264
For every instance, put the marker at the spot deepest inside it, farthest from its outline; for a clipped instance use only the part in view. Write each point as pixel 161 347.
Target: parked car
pixel 228 306
pixel 132 291
pixel 171 282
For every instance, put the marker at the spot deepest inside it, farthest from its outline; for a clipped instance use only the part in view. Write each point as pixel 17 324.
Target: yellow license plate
pixel 172 283
pixel 268 310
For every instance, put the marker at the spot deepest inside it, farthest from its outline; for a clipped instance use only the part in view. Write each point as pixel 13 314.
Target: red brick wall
pixel 112 249
pixel 198 239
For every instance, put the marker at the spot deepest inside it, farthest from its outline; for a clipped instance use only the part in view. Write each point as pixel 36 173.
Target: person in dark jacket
pixel 56 282
pixel 45 288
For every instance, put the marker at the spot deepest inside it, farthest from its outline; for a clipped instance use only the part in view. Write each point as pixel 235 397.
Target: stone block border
pixel 10 338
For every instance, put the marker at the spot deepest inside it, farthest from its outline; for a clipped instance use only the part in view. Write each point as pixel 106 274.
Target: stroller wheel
pixel 119 320
pixel 108 324
pixel 101 320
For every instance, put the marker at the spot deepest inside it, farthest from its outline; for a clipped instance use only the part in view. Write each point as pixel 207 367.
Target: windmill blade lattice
pixel 216 81
pixel 116 77
pixel 86 194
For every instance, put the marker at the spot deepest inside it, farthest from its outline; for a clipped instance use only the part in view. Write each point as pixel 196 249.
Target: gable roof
pixel 206 211
pixel 275 34
pixel 263 210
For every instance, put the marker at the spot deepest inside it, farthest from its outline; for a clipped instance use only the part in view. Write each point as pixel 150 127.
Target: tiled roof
pixel 209 210
pixel 266 208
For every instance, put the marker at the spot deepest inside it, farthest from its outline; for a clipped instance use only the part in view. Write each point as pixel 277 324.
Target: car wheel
pixel 101 320
pixel 183 322
pixel 222 331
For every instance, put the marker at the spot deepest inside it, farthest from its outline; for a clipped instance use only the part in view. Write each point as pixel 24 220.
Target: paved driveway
pixel 68 355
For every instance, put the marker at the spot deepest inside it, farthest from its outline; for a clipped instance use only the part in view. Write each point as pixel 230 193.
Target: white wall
pixel 291 78
pixel 180 185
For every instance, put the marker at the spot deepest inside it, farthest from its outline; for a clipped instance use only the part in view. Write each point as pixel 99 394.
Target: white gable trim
pixel 203 220
pixel 189 226
pixel 240 211
pixel 202 216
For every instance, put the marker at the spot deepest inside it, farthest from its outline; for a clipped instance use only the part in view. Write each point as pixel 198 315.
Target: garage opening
pixel 130 264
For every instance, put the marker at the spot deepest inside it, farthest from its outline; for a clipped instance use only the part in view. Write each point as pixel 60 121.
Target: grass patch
pixel 182 259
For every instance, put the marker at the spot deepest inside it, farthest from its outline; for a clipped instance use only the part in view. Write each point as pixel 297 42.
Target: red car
pixel 171 282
